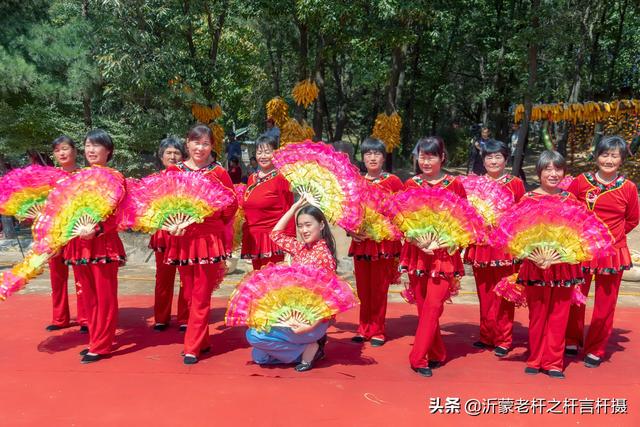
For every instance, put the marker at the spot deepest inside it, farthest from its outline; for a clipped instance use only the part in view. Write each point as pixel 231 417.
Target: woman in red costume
pixel 65 153
pixel 432 273
pixel 614 200
pixel 490 265
pixel 266 199
pixel 170 152
pixel 549 288
pixel 95 257
pixel 375 263
pixel 199 250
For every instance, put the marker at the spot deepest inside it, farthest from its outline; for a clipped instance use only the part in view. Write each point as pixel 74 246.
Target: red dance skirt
pixel 487 256
pixel 614 264
pixel 158 241
pixel 256 244
pixel 200 245
pixel 371 250
pixel 102 249
pixel 557 275
pixel 414 261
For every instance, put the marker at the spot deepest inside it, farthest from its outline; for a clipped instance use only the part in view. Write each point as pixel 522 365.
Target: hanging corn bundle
pixel 305 92
pixel 579 112
pixel 218 137
pixel 278 110
pixel 387 129
pixel 293 132
pixel 205 114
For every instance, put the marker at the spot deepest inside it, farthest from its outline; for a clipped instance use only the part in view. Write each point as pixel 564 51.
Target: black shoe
pixel 190 360
pixel 591 362
pixel 377 342
pixel 480 344
pixel 160 327
pixel 53 328
pixel 358 339
pixel 571 352
pixel 90 358
pixel 183 328
pixel 84 329
pixel 531 371
pixel 425 372
pixel 307 366
pixel 435 364
pixel 554 373
pixel 501 351
pixel 84 352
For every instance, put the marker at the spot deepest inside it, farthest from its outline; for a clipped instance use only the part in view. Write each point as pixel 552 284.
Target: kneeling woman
pixel 303 345
pixel 549 288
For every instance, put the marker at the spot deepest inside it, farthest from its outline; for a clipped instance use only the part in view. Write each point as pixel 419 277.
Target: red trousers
pixel 199 281
pixel 165 278
pixel 604 307
pixel 59 273
pixel 431 294
pixel 372 282
pixel 496 313
pixel 258 263
pixel 548 315
pixel 99 284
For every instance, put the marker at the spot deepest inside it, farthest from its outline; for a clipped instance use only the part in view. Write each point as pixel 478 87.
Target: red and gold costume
pixel 316 254
pixel 490 265
pixel 265 201
pixel 165 279
pixel 616 205
pixel 199 255
pixel 549 300
pixel 95 264
pixel 430 278
pixel 376 267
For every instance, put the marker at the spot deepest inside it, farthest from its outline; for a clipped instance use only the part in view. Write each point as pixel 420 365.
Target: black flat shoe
pixel 183 328
pixel 377 342
pixel 358 339
pixel 531 371
pixel 90 358
pixel 480 344
pixel 307 366
pixel 435 364
pixel 591 362
pixel 51 328
pixel 84 329
pixel 554 373
pixel 571 352
pixel 84 352
pixel 425 372
pixel 160 327
pixel 190 360
pixel 501 351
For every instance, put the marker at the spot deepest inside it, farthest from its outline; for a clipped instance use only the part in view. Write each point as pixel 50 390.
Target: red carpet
pixel 145 382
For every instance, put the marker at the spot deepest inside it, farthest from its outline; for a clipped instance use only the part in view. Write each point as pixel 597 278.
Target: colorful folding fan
pixel 326 177
pixel 282 295
pixel 488 197
pixel 377 208
pixel 23 191
pixel 437 218
pixel 75 205
pixel 549 230
pixel 174 200
pixel 509 289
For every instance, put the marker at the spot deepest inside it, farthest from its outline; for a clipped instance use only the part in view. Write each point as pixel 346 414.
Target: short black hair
pixel 198 131
pixel 172 142
pixel 267 140
pixel 433 145
pixel 234 159
pixel 372 144
pixel 63 139
pixel 613 142
pixel 492 146
pixel 549 157
pixel 101 137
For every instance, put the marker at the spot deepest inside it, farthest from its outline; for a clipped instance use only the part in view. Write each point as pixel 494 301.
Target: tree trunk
pixel 616 48
pixel 319 79
pixel 215 32
pixel 532 58
pixel 409 107
pixel 303 52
